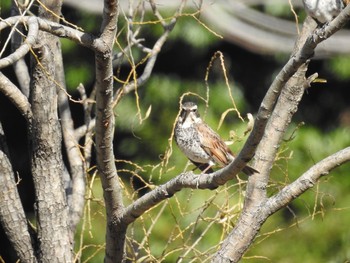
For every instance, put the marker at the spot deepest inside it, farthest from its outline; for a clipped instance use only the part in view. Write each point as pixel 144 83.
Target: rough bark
pixel 116 230
pixel 54 244
pixel 75 179
pixel 255 211
pixel 12 216
pixel 20 67
pixel 55 219
pixel 47 163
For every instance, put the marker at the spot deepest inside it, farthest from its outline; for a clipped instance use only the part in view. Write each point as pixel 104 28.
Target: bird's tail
pixel 249 170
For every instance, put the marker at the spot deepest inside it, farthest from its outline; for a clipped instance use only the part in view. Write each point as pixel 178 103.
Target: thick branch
pixel 307 180
pixel 16 97
pixel 76 189
pixel 251 218
pixel 268 103
pixel 26 45
pixel 20 67
pixel 277 125
pixel 12 217
pixel 47 162
pixel 115 234
pixel 167 190
pixel 84 39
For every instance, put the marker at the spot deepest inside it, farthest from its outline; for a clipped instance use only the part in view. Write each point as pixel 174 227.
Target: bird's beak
pixel 183 116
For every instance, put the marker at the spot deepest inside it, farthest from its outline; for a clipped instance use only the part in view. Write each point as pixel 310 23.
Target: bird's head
pixel 189 114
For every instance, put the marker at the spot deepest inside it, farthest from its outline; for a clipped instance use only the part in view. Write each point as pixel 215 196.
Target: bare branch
pixel 16 96
pixel 20 67
pixel 252 218
pixel 115 236
pixel 307 180
pixel 167 190
pixel 195 181
pixel 46 156
pixel 27 44
pixel 56 29
pixel 293 64
pixel 76 198
pixel 12 216
pixel 168 27
pixel 86 129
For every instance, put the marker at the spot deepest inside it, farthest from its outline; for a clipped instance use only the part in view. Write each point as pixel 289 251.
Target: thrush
pixel 201 144
pixel 324 11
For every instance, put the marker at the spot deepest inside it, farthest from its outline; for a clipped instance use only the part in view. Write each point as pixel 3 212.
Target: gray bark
pixel 12 216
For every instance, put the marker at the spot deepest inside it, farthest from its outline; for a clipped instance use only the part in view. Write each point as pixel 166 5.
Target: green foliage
pixel 194 32
pixel 192 222
pixel 76 75
pixel 5 5
pixel 311 228
pixel 148 139
pixel 340 67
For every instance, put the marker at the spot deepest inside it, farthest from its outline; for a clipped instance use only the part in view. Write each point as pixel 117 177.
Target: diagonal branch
pixel 153 53
pixel 268 103
pixel 84 39
pixel 12 217
pixel 252 218
pixel 16 96
pixel 307 180
pixel 20 67
pixel 26 45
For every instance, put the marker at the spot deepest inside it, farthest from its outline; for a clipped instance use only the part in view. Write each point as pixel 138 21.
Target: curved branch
pixel 252 217
pixel 243 25
pixel 195 181
pixel 12 217
pixel 26 45
pixel 167 190
pixel 20 67
pixel 293 64
pixel 153 53
pixel 16 97
pixel 84 39
pixel 307 180
pixel 189 180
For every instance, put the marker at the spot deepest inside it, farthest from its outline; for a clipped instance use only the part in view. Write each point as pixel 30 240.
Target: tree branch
pixel 84 39
pixel 115 236
pixel 307 180
pixel 268 103
pixel 76 198
pixel 46 158
pixel 16 97
pixel 153 53
pixel 33 30
pixel 240 23
pixel 12 217
pixel 20 67
pixel 252 218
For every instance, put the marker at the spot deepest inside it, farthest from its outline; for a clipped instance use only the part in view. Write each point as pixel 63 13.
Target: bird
pixel 200 143
pixel 324 11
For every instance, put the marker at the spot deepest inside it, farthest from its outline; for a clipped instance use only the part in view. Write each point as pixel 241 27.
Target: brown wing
pixel 213 145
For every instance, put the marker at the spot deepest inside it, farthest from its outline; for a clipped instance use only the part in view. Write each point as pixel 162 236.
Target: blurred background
pixel 254 39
